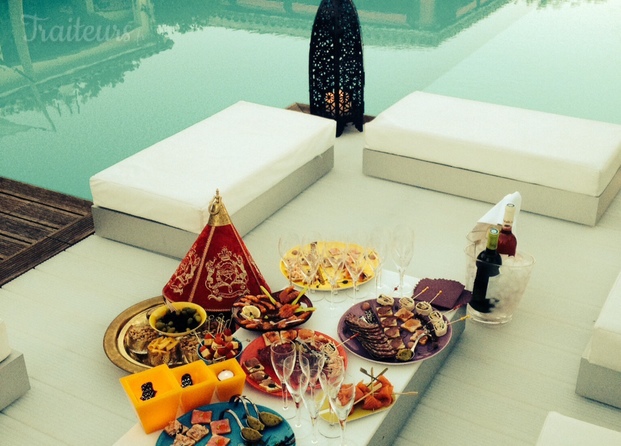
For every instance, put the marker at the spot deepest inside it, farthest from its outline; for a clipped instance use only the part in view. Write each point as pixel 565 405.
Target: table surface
pixel 323 320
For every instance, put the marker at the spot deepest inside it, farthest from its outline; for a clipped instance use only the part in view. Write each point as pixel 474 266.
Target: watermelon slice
pixel 201 416
pixel 219 427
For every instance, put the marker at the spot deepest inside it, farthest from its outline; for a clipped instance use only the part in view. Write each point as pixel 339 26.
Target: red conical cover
pixel 218 268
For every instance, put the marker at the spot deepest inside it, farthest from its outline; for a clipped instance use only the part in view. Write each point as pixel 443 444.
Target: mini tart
pixel 423 308
pixel 385 300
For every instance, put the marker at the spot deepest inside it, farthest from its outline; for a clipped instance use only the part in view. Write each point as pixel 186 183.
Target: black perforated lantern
pixel 336 72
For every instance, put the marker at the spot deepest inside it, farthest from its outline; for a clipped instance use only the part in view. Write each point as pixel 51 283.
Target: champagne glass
pixel 334 259
pixel 341 395
pixel 378 250
pixel 311 256
pixel 296 382
pixel 314 397
pixel 355 262
pixel 402 248
pixel 288 248
pixel 279 351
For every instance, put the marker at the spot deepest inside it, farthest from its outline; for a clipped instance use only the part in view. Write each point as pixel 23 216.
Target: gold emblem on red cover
pixel 226 276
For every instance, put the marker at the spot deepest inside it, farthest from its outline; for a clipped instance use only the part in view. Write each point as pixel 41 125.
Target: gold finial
pixel 218 215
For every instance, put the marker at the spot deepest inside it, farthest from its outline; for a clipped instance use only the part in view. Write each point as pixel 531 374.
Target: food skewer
pixel 347 340
pixel 460 319
pixel 434 297
pixel 169 304
pixel 424 289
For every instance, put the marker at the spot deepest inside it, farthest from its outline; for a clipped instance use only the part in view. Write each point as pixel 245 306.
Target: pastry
pixel 138 337
pixel 385 300
pixel 163 350
pixel 407 303
pixel 423 308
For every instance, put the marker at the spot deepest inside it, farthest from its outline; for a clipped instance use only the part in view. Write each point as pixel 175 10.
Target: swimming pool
pixel 91 85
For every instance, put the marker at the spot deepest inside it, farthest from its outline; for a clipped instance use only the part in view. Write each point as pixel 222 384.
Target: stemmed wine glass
pixel 314 397
pixel 288 248
pixel 279 351
pixel 311 256
pixel 341 395
pixel 379 247
pixel 355 262
pixel 402 248
pixel 296 382
pixel 334 256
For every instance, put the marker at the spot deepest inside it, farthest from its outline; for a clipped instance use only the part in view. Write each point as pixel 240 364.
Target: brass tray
pixel 113 341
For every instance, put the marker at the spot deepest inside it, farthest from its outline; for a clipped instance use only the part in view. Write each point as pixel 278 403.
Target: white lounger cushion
pixel 243 151
pixel 606 338
pixel 561 430
pixel 561 152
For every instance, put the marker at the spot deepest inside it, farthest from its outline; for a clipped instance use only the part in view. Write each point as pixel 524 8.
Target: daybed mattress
pixel 242 151
pixel 560 152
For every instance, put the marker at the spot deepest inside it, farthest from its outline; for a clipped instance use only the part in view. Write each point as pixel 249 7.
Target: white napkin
pixel 494 217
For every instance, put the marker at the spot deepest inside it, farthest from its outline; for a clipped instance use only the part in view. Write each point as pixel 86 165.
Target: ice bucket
pixel 508 288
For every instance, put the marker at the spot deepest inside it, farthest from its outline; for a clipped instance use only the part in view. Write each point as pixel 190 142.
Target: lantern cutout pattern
pixel 336 72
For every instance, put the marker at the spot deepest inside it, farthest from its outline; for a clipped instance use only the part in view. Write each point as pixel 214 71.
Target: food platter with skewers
pixel 387 329
pixel 283 309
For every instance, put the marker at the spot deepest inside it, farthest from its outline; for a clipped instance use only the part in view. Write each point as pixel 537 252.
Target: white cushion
pixel 561 430
pixel 606 338
pixel 243 151
pixel 561 152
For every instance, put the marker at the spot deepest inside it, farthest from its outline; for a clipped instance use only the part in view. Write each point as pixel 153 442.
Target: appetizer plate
pixel 354 415
pixel 255 350
pixel 422 351
pixel 344 282
pixel 114 342
pixel 271 320
pixel 281 434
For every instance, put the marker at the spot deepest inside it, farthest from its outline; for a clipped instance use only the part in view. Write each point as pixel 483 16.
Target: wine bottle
pixel 507 242
pixel 488 266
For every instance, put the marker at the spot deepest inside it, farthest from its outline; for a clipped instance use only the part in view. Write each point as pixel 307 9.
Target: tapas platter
pixel 259 349
pixel 281 434
pixel 321 282
pixel 132 358
pixel 262 313
pixel 397 333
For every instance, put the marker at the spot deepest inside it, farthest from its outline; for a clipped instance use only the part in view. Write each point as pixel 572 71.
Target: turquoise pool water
pixel 90 83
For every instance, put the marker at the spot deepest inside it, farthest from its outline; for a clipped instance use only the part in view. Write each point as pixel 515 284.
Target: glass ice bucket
pixel 508 286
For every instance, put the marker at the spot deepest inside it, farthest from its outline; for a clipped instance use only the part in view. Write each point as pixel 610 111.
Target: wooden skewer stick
pixel 424 289
pixel 169 304
pixel 372 392
pixel 460 319
pixel 434 297
pixel 347 340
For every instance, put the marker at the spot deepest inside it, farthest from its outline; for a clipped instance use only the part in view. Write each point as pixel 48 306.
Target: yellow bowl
pixel 162 310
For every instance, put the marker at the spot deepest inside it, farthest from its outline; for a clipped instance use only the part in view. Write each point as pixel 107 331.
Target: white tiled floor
pixel 496 388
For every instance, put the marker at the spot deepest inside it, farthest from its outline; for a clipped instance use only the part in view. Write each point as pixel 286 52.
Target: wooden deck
pixel 36 224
